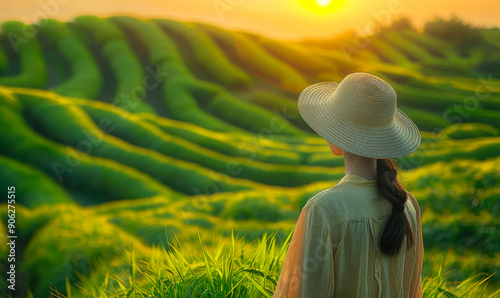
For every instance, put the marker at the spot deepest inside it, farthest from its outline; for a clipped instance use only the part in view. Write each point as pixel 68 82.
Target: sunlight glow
pixel 322 6
pixel 323 3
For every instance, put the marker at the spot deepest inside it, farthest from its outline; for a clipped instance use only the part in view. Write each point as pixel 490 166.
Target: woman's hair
pixel 397 226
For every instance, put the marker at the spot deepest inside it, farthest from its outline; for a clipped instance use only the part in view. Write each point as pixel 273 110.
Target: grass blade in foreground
pixel 233 272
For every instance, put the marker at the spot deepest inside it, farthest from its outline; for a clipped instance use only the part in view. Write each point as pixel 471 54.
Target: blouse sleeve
pixel 308 267
pixel 416 283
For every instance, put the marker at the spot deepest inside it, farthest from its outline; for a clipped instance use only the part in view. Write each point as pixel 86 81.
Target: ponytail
pixel 397 226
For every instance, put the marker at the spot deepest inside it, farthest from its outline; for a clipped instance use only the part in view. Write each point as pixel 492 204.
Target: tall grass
pixel 437 285
pixel 239 270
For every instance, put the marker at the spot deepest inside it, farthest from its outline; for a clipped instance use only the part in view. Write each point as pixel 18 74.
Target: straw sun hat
pixel 359 115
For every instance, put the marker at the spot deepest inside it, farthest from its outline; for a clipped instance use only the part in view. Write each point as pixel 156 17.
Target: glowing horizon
pixel 279 19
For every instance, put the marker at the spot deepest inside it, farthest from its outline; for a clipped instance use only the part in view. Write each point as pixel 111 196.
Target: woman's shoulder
pixel 340 195
pixel 327 194
pixel 333 201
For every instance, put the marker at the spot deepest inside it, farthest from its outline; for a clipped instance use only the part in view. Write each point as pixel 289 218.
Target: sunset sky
pixel 281 19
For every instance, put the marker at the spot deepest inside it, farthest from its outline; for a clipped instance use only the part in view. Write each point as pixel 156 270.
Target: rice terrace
pixel 164 158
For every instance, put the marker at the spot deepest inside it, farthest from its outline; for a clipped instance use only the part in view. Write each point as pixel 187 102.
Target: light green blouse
pixel 334 251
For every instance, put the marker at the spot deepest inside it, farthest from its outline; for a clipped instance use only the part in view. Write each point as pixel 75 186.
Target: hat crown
pixel 359 115
pixel 365 100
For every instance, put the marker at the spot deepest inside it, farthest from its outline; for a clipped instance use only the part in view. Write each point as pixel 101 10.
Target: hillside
pixel 120 132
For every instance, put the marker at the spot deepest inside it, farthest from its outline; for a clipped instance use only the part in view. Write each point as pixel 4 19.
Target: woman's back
pixel 351 239
pixel 334 250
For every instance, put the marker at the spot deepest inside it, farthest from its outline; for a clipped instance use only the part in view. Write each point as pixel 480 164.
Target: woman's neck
pixel 361 166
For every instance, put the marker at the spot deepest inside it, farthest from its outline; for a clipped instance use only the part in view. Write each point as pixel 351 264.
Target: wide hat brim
pixel 400 138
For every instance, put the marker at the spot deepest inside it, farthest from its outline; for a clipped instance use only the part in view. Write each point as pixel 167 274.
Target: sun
pixel 322 6
pixel 323 3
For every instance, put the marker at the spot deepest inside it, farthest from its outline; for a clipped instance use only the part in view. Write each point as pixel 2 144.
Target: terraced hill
pixel 117 130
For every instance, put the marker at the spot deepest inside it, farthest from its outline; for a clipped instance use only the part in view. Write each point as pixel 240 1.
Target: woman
pixel 361 237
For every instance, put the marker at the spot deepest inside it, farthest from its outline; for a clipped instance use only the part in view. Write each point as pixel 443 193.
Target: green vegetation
pixel 186 96
pixel 34 187
pixel 78 246
pixel 86 80
pixel 253 208
pixel 100 30
pixel 256 60
pixel 453 30
pixel 470 130
pixel 131 89
pixel 210 61
pixel 297 56
pixel 104 179
pixel 177 80
pixel 3 62
pixel 425 120
pixel 122 135
pixel 146 135
pixel 83 135
pixel 236 269
pixel 250 117
pixel 265 66
pixel 32 72
pixel 389 54
pixel 242 146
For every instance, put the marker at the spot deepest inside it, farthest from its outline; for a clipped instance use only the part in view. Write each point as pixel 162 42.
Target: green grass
pixel 226 144
pixel 250 117
pixel 192 99
pixel 470 130
pixel 131 90
pixel 297 56
pixel 82 245
pixel 390 53
pixel 160 47
pixel 101 30
pixel 86 78
pixel 236 269
pixel 34 188
pixel 3 62
pixel 74 169
pixel 411 50
pixel 32 70
pixel 258 61
pixel 178 82
pixel 450 215
pixel 248 54
pixel 81 133
pixel 146 135
pixel 208 57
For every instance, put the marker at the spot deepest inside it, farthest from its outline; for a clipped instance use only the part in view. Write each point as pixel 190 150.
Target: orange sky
pixel 282 19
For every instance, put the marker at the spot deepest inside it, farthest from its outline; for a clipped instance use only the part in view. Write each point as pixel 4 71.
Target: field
pixel 159 140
